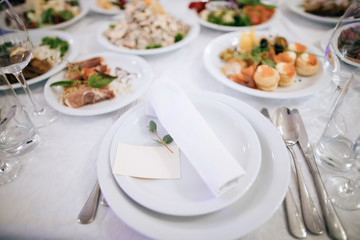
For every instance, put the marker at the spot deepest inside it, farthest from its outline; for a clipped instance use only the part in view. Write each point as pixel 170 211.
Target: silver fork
pixel 88 212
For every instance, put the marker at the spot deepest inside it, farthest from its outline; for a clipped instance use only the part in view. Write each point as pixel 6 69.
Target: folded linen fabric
pixel 216 166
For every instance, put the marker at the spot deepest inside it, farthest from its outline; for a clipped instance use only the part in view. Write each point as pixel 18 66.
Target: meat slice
pixel 80 95
pixel 75 69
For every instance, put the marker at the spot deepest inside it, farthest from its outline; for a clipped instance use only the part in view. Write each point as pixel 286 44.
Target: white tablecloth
pixel 57 177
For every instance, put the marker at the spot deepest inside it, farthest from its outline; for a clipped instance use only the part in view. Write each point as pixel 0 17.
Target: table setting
pixel 159 120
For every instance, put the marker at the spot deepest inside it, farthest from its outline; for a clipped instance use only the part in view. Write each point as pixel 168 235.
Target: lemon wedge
pixel 18 50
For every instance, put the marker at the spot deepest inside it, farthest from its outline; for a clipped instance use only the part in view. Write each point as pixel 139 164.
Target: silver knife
pixel 332 220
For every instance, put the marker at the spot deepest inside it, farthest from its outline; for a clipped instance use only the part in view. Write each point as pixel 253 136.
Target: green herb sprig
pixel 167 139
pixel 97 80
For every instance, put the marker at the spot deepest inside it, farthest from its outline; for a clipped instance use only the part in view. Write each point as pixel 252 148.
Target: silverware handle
pixel 333 223
pixel 88 212
pixel 295 221
pixel 311 216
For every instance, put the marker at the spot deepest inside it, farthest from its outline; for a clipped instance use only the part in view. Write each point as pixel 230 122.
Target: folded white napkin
pixel 216 166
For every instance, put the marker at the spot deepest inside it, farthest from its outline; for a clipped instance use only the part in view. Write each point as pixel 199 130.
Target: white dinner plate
pixel 297 7
pixel 189 195
pixel 248 213
pixel 70 55
pixel 132 64
pixel 335 43
pixel 190 36
pixel 96 8
pixel 302 86
pixel 84 9
pixel 233 28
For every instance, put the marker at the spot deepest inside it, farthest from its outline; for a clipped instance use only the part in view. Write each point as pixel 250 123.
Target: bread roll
pixel 287 74
pixel 306 64
pixel 266 78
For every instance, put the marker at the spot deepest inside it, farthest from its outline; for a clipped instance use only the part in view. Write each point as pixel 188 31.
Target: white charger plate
pixel 130 63
pixel 300 88
pixel 233 28
pixel 189 195
pixel 245 215
pixel 70 55
pixel 84 9
pixel 96 8
pixel 296 7
pixel 191 35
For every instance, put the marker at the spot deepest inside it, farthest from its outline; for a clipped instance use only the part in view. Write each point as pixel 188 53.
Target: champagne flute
pixel 15 54
pixel 337 146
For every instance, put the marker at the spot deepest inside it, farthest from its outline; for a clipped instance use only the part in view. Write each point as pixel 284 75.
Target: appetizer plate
pixel 192 34
pixel 231 28
pixel 302 86
pixel 297 7
pixel 133 64
pixel 96 8
pixel 70 55
pixel 84 9
pixel 335 43
pixel 252 210
pixel 189 195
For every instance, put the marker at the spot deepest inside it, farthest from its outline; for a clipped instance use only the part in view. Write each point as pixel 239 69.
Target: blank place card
pixel 153 162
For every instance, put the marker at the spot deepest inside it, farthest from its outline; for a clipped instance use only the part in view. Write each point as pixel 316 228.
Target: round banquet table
pixel 58 176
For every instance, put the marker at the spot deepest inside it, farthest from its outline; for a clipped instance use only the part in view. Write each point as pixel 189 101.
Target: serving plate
pixel 303 86
pixel 133 64
pixel 252 210
pixel 70 55
pixel 189 195
pixel 218 27
pixel 84 9
pixel 296 7
pixel 191 35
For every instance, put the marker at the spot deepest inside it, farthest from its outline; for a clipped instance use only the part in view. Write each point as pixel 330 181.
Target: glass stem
pixel 38 110
pixel 348 188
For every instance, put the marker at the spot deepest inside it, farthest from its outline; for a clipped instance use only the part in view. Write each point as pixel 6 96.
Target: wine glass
pixel 338 144
pixel 15 54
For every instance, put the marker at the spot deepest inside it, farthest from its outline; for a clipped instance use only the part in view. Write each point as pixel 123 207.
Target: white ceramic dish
pixel 130 63
pixel 296 6
pixel 335 43
pixel 70 55
pixel 233 28
pixel 98 9
pixel 192 34
pixel 302 86
pixel 84 9
pixel 189 195
pixel 248 213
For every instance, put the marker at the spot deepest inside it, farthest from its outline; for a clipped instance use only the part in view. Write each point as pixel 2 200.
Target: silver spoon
pixel 289 130
pixel 294 219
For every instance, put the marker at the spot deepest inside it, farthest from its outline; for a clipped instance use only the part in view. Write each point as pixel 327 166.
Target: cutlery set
pixel 293 132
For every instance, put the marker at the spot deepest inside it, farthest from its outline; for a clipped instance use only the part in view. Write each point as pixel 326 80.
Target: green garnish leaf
pixel 179 37
pixel 56 42
pixel 152 126
pixel 65 83
pixel 48 16
pixel 66 15
pixel 167 139
pixel 112 26
pixel 151 46
pixel 268 62
pixel 100 80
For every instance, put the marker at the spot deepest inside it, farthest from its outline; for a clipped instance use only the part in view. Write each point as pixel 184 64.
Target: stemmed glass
pixel 15 54
pixel 339 144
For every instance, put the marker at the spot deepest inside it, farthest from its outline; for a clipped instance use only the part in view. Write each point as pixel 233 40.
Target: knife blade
pixel 333 223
